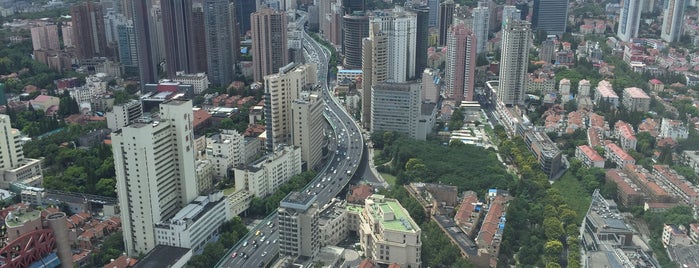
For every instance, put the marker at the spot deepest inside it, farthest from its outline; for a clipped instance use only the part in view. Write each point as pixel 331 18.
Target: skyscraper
pixel 178 31
pixel 128 51
pixel 351 6
pixel 514 60
pixel 199 56
pixel 219 42
pixel 153 183
pixel 269 48
pixel 356 28
pixel 446 18
pixel 281 89
pixel 550 16
pixel 673 14
pixel 307 125
pixel 299 232
pixel 373 68
pixel 460 62
pixel 434 11
pixel 400 29
pixel 481 20
pixel 147 63
pixel 629 19
pixel 89 29
pixel 421 36
pixel 243 9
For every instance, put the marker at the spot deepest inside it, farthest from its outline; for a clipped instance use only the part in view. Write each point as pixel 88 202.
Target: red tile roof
pixel 590 153
pixel 122 262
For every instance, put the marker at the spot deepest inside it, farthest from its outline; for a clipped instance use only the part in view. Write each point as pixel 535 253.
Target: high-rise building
pixel 269 48
pixel 11 153
pixel 199 58
pixel 243 9
pixel 434 11
pixel 299 232
pixel 112 20
pixel 179 34
pixel 446 18
pixel 67 33
pixel 551 16
pixel 523 7
pixel 421 37
pixel 629 19
pixel 400 29
pixel 89 29
pixel 45 37
pixel 514 59
pixel 351 6
pixel 128 50
pixel 673 14
pixel 153 183
pixel 281 89
pixel 307 124
pixel 460 63
pixel 356 28
pixel 388 53
pixel 145 43
pixel 219 42
pixel 548 47
pixel 225 150
pixel 388 234
pixel 481 21
pixel 396 107
pixel 509 13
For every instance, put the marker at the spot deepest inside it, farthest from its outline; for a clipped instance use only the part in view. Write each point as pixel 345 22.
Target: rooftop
pixel 15 219
pixel 605 89
pixel 635 93
pixel 590 153
pixel 391 214
pixel 161 256
pixel 297 200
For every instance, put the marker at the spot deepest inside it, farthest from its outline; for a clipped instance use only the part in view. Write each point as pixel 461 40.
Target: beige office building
pixel 269 42
pixel 307 124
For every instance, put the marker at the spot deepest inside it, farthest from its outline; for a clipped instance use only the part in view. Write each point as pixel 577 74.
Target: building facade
pixel 635 100
pixel 516 39
pixel 355 28
pixel 219 28
pixel 396 107
pixel 88 30
pixel 307 127
pixel 297 220
pixel 225 150
pixel 550 16
pixel 446 18
pixel 481 26
pixel 124 114
pixel 154 183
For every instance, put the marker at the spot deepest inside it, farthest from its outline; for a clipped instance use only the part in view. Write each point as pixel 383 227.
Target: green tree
pixel 553 228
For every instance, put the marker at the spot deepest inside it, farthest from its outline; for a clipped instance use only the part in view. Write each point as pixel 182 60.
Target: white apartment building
pixel 564 87
pixel 307 123
pixel 514 60
pixel 281 89
pixel 674 129
pixel 481 26
pixel 399 27
pixel 13 166
pixel 605 92
pixel 396 107
pixel 194 225
pixel 584 88
pixel 205 175
pixel 297 220
pixel 264 176
pixel 124 114
pixel 225 150
pixel 200 81
pixel 387 233
pixel 627 137
pixel 588 156
pixel 154 162
pixel 237 202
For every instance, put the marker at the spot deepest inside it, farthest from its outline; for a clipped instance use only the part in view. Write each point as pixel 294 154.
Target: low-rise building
pixel 589 156
pixel 674 129
pixel 194 225
pixel 635 100
pixel 694 232
pixel 264 176
pixel 674 235
pixel 676 184
pixel 200 81
pixel 628 192
pixel 627 138
pixel 546 152
pixel 490 235
pixel 469 213
pixel 654 190
pixel 656 85
pixel 617 155
pixel 332 223
pixel 388 234
pixel 605 92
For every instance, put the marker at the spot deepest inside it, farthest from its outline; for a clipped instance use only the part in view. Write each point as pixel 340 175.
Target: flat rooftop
pixel 401 221
pixel 297 200
pixel 161 256
pixel 18 219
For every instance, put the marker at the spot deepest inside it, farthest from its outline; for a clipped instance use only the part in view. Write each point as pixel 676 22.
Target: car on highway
pixel 235 254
